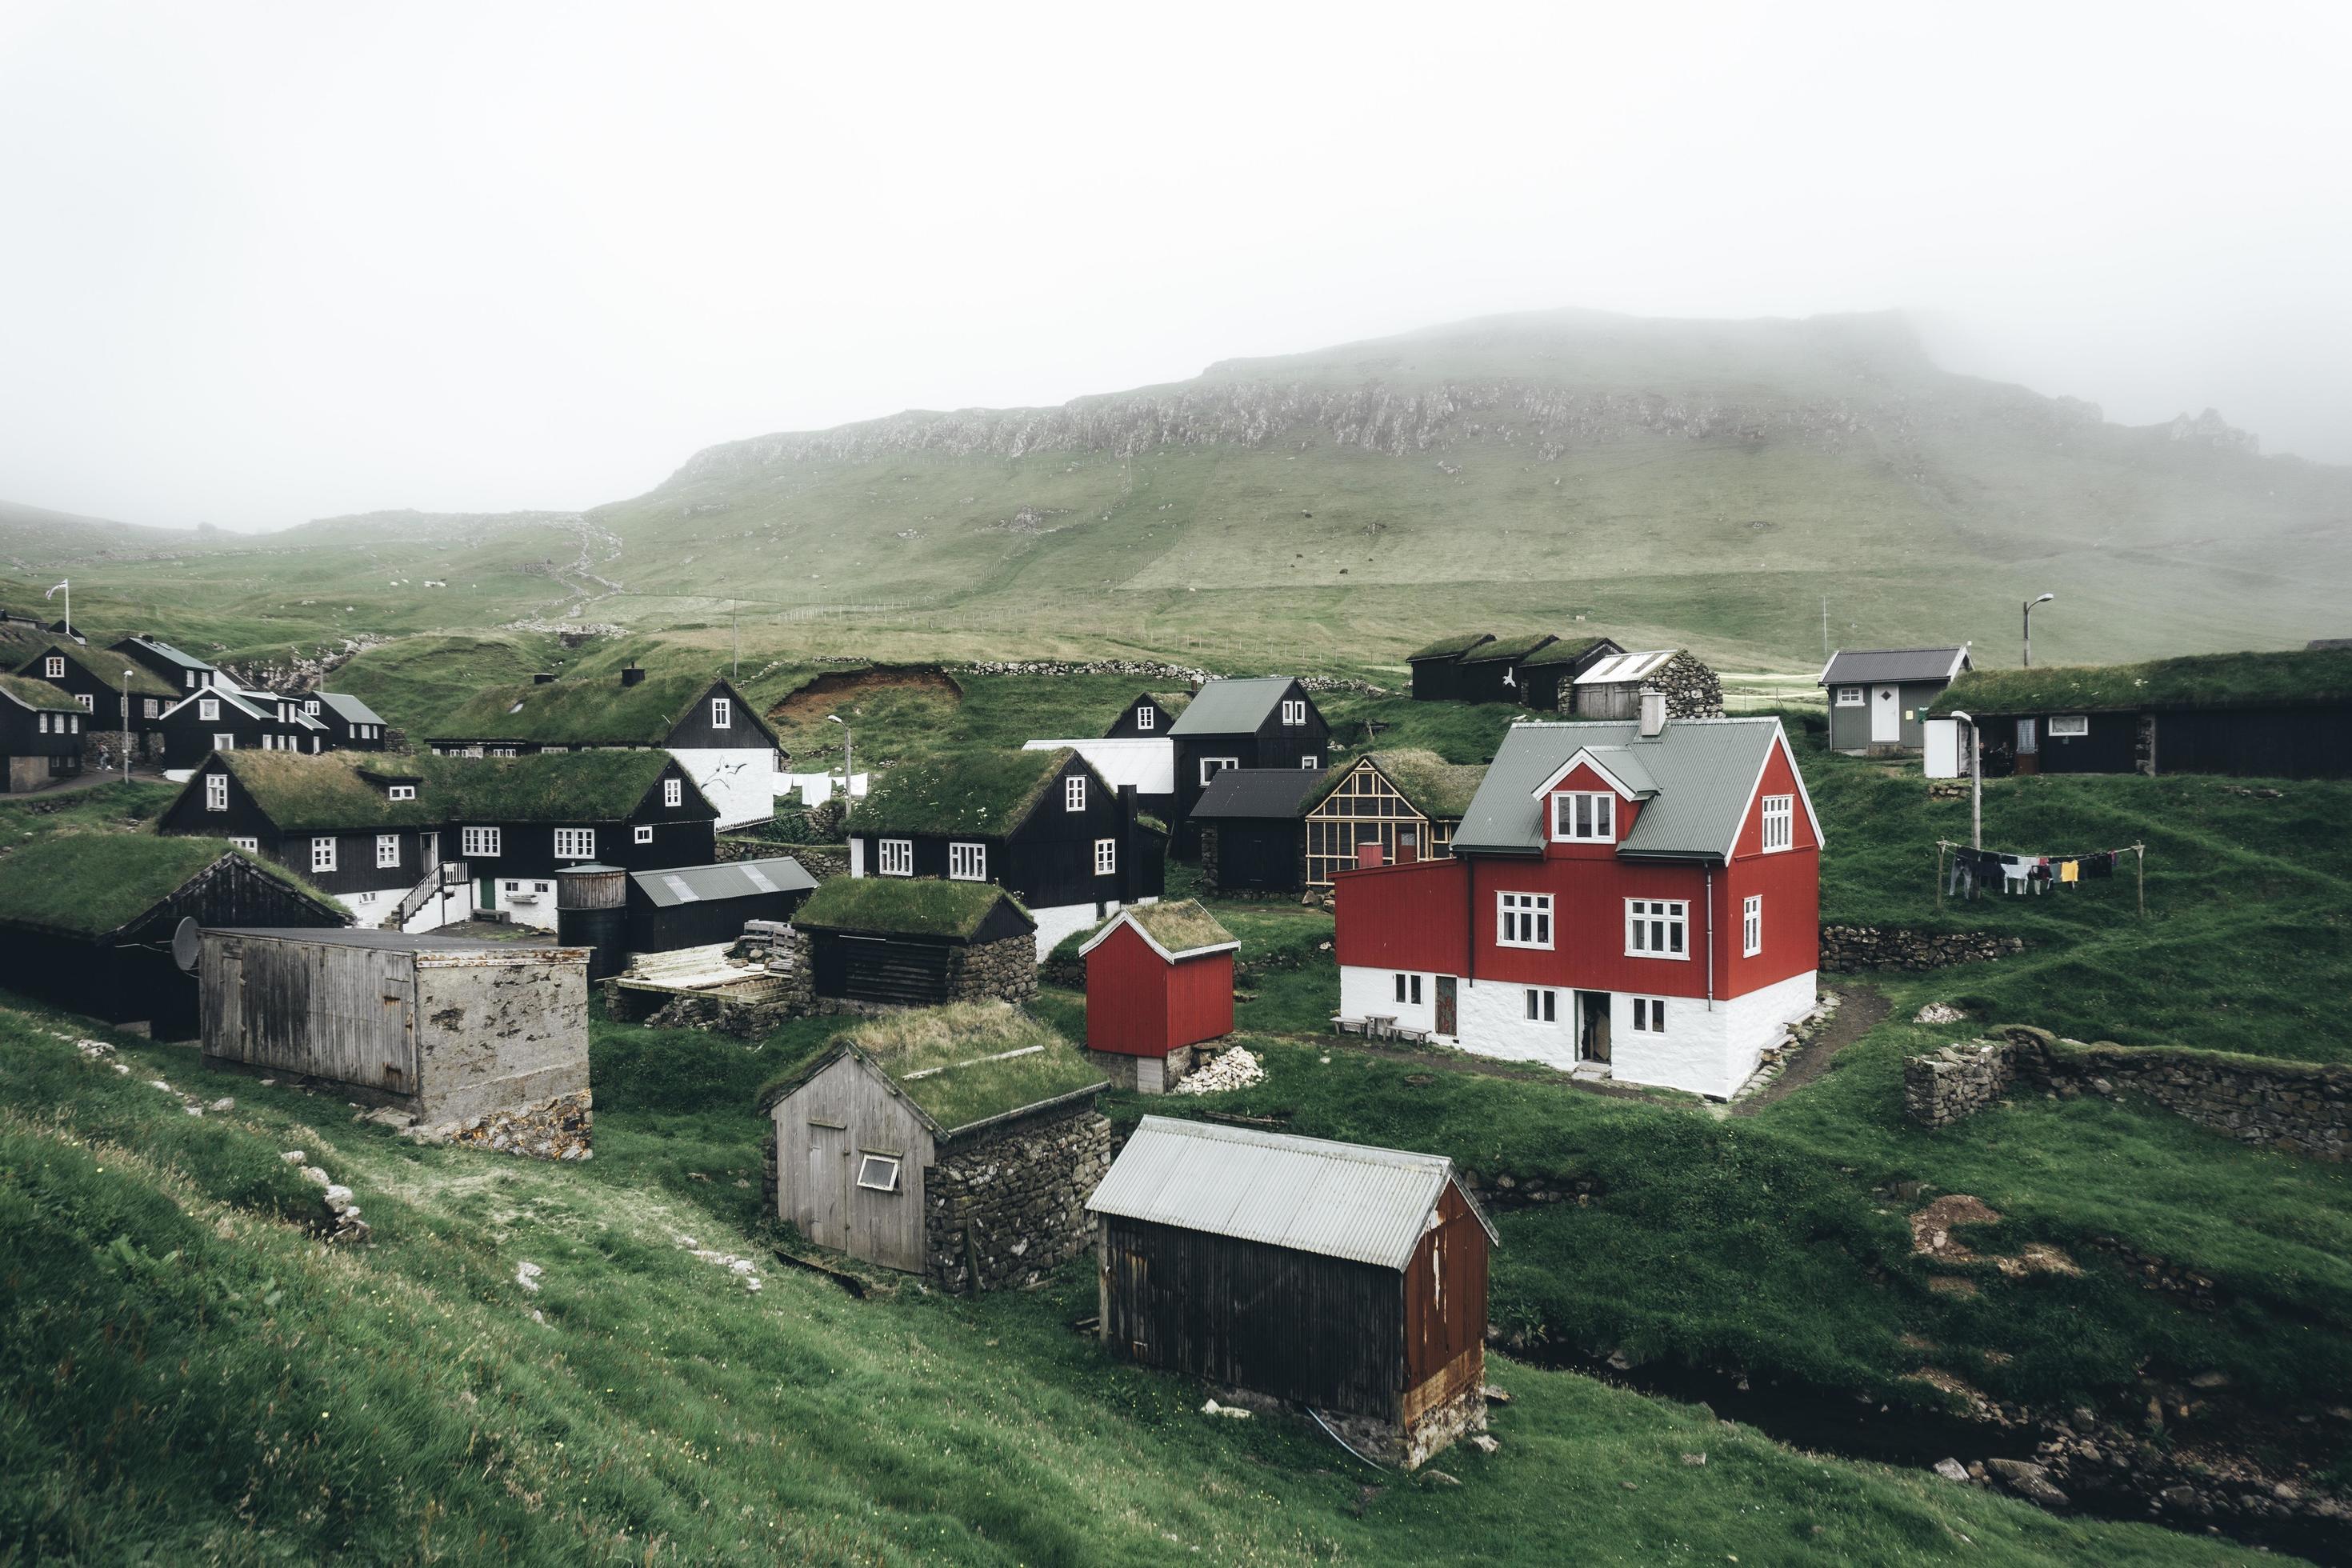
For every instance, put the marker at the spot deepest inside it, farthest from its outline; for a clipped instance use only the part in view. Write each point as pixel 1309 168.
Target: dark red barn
pixel 1159 981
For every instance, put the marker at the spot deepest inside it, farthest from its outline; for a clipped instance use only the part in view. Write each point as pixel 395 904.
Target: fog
pixel 264 263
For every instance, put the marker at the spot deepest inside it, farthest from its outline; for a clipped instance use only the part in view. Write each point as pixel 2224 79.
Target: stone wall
pixel 562 1129
pixel 822 861
pixel 1691 688
pixel 2304 1108
pixel 1846 949
pixel 1005 969
pixel 1012 1201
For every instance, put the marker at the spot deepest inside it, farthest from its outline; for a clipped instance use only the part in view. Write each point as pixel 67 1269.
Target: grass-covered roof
pixel 107 670
pixel 39 694
pixel 985 795
pixel 334 790
pixel 1513 649
pixel 325 790
pixel 591 710
pixel 1437 787
pixel 1567 650
pixel 1180 925
pixel 1449 647
pixel 88 884
pixel 940 1058
pixel 2196 681
pixel 913 906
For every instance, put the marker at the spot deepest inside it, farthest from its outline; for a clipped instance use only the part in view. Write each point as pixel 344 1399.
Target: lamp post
pixel 126 725
pixel 848 765
pixel 1976 781
pixel 2029 625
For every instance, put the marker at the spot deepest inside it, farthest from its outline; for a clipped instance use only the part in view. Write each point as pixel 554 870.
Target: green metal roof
pixel 1232 707
pixel 1703 770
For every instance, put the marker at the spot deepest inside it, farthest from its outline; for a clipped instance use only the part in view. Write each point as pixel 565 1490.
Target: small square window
pixel 1849 696
pixel 1543 1007
pixel 1145 717
pixel 967 862
pixel 878 1173
pixel 643 833
pixel 1310 761
pixel 400 791
pixel 322 854
pixel 1211 765
pixel 1073 792
pixel 250 846
pixel 209 710
pixel 1293 712
pixel 1649 1014
pixel 55 668
pixel 388 850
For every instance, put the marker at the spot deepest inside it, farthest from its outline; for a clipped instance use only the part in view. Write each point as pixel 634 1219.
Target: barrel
pixel 591 910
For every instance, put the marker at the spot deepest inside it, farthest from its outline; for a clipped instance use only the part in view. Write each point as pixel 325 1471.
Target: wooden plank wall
pixel 332 1012
pixel 846 1111
pixel 1446 1307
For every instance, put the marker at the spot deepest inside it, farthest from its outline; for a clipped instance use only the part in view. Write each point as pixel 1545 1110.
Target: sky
pixel 263 263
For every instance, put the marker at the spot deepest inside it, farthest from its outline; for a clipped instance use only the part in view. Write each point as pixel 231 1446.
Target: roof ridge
pixel 1363 1154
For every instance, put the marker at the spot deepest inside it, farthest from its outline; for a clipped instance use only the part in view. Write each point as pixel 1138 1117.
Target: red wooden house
pixel 1159 981
pixel 1638 899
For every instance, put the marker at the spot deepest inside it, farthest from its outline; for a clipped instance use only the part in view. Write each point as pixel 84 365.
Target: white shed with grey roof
pixel 699 905
pixel 1879 696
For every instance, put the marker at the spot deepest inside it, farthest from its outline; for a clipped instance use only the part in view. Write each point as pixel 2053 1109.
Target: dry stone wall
pixel 1005 1207
pixel 1005 969
pixel 1846 949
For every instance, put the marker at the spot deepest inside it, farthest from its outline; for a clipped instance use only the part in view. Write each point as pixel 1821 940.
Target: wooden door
pixel 486 892
pixel 1592 1027
pixel 1447 1023
pixel 1886 715
pixel 827 1174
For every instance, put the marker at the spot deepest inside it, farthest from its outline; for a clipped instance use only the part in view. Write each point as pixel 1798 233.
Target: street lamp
pixel 1976 780
pixel 2029 625
pixel 126 725
pixel 849 763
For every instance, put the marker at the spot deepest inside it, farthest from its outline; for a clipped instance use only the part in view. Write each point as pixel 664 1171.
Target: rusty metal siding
pixel 1446 1307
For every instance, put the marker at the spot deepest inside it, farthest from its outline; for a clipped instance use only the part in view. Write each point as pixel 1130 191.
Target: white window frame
pixel 75 720
pixel 322 853
pixel 1209 767
pixel 1408 989
pixel 723 713
pixel 643 833
pixel 1649 1016
pixel 88 704
pixel 1751 925
pixel 216 792
pixel 1779 825
pixel 1106 857
pixel 575 844
pixel 1144 717
pixel 1523 920
pixel 1294 712
pixel 967 862
pixel 2062 725
pixel 1595 823
pixel 250 846
pixel 224 743
pixel 871 1180
pixel 1543 1004
pixel 154 709
pixel 55 668
pixel 894 856
pixel 400 791
pixel 44 720
pixel 207 710
pixel 192 678
pixel 1666 921
pixel 480 843
pixel 1073 792
pixel 387 851
pixel 673 793
pixel 1852 697
pixel 1310 761
pixel 310 706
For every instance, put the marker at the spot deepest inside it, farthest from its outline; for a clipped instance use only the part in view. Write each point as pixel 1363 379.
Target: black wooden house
pixel 1252 827
pixel 1436 666
pixel 1490 672
pixel 182 672
pixel 699 906
pixel 917 943
pixel 40 735
pixel 1147 717
pixel 221 717
pixel 351 725
pixel 1267 722
pixel 1545 679
pixel 97 681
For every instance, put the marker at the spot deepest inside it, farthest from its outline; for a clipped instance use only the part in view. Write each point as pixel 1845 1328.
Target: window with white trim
pixel 322 854
pixel 673 793
pixel 878 1173
pixel 967 862
pixel 1408 989
pixel 209 710
pixel 250 846
pixel 1210 766
pixel 1145 717
pixel 1106 857
pixel 723 713
pixel 1310 761
pixel 74 720
pixel 88 706
pixel 154 709
pixel 643 833
pixel 1657 928
pixel 1073 792
pixel 2064 724
pixel 575 844
pixel 1649 1014
pixel 192 680
pixel 224 743
pixel 1780 822
pixel 1543 1007
pixel 480 843
pixel 1585 818
pixel 44 720
pixel 1293 712
pixel 216 792
pixel 400 791
pixel 55 668
pixel 388 850
pixel 311 705
pixel 1751 925
pixel 894 856
pixel 1523 920
pixel 1849 696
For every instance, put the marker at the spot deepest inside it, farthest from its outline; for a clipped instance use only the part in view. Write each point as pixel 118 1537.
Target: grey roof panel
pixel 1619 668
pixel 727 879
pixel 1231 707
pixel 1337 1200
pixel 158 645
pixel 1862 666
pixel 393 941
pixel 1258 793
pixel 1703 769
pixel 350 708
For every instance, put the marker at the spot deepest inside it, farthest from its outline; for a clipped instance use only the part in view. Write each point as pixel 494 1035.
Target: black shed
pixel 1435 669
pixel 917 942
pixel 88 920
pixel 699 905
pixel 1253 826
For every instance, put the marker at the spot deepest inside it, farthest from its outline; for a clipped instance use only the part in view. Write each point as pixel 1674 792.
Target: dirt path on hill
pixel 1454 1061
pixel 1861 1008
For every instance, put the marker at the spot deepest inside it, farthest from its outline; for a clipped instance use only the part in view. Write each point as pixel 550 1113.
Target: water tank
pixel 591 910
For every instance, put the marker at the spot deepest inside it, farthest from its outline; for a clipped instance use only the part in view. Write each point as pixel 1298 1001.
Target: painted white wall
pixel 1365 992
pixel 1061 920
pixel 741 781
pixel 1943 749
pixel 1146 762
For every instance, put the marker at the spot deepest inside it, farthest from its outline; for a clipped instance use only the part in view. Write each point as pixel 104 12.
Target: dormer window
pixel 1579 818
pixel 400 791
pixel 310 706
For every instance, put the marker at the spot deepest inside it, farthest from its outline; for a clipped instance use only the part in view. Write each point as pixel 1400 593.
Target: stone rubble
pixel 1938 1013
pixel 742 1269
pixel 1236 1069
pixel 528 1276
pixel 347 1227
pixel 1846 949
pixel 561 1129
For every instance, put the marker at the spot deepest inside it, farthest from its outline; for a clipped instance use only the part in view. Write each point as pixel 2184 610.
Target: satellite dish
pixel 187 944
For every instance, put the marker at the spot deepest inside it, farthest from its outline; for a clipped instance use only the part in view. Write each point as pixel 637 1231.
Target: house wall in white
pixel 1149 764
pixel 741 781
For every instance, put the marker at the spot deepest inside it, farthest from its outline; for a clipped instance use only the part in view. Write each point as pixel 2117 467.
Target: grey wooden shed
pixel 1879 696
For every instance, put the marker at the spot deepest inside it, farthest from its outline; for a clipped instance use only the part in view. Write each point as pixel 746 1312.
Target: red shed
pixel 1159 981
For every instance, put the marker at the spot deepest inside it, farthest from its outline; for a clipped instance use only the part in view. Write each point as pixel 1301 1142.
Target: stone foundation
pixel 2304 1108
pixel 561 1129
pixel 1006 1206
pixel 1846 949
pixel 1411 1445
pixel 1146 1074
pixel 1004 970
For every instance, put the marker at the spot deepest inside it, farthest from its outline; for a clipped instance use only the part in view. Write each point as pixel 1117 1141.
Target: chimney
pixel 544 677
pixel 1368 855
pixel 1653 713
pixel 631 675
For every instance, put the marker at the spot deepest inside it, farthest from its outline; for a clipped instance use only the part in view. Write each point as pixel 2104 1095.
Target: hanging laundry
pixel 2102 866
pixel 2068 871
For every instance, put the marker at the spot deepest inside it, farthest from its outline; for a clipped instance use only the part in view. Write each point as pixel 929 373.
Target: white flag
pixel 53 592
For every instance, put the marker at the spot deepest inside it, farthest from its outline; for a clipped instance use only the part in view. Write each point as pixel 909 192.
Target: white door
pixel 1943 759
pixel 1886 715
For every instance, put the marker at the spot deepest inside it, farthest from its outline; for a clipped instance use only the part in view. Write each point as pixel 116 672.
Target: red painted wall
pixel 1200 999
pixel 1403 916
pixel 1138 1004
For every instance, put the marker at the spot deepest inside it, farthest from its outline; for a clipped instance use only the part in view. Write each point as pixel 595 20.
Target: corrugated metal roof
pixel 730 879
pixel 1862 666
pixel 1619 668
pixel 1337 1200
pixel 1703 770
pixel 1231 707
pixel 351 708
pixel 1150 764
pixel 158 645
pixel 1259 792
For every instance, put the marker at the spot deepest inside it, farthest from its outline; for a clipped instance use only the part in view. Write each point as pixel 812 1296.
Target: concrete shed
pixel 448 1029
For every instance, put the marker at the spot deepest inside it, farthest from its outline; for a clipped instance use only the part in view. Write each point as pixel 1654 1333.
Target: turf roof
pixel 1567 650
pixel 2198 680
pixel 912 906
pixel 1507 648
pixel 1180 925
pixel 1450 647
pixel 588 710
pixel 108 673
pixel 1437 787
pixel 88 884
pixel 39 694
pixel 331 790
pixel 985 795
pixel 935 1057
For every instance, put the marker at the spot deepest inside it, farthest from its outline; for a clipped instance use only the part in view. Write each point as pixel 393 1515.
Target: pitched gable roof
pixel 985 795
pixel 39 695
pixel 1434 787
pixel 2281 679
pixel 1509 650
pixel 1864 666
pixel 909 906
pixel 1449 647
pixel 1175 928
pixel 1620 668
pixel 1259 792
pixel 342 792
pixel 89 884
pixel 143 681
pixel 727 879
pixel 1232 707
pixel 590 711
pixel 348 709
pixel 961 1064
pixel 166 652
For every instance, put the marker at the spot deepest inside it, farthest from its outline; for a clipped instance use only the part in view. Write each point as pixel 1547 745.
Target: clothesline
pixel 1973 869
